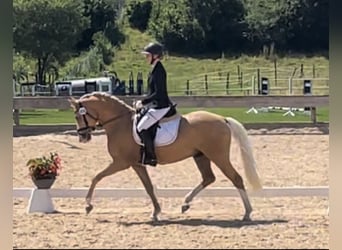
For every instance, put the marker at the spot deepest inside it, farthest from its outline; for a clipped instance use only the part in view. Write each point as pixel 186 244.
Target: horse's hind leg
pixel 227 169
pixel 111 169
pixel 146 180
pixel 203 164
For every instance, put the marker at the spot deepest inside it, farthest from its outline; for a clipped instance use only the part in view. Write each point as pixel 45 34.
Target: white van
pixel 82 86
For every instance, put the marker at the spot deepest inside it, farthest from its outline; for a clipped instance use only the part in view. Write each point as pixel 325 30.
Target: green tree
pixel 296 25
pixel 310 26
pixel 194 26
pixel 103 15
pixel 139 14
pixel 222 22
pixel 172 24
pixel 93 61
pixel 263 18
pixel 21 68
pixel 88 63
pixel 47 30
pixel 104 47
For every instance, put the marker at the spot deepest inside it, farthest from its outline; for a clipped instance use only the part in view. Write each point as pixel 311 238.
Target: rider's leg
pixel 149 156
pixel 145 129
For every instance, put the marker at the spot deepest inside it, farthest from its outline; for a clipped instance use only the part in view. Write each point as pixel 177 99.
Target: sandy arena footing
pixel 285 158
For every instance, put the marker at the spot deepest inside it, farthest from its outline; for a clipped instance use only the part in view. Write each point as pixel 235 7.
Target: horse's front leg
pixel 111 169
pixel 145 178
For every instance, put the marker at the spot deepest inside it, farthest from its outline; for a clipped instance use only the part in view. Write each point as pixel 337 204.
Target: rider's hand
pixel 138 104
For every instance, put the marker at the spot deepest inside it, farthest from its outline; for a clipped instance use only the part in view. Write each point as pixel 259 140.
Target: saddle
pixel 163 132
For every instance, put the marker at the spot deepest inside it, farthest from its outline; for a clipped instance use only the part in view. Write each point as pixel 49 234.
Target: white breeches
pixel 151 117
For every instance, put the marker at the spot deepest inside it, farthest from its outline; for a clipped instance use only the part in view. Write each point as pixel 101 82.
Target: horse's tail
pixel 240 134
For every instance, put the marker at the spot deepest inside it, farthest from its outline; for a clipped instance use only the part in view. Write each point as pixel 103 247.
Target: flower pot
pixel 43 183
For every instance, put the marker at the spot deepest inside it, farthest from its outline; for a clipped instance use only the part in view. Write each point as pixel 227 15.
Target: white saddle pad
pixel 166 132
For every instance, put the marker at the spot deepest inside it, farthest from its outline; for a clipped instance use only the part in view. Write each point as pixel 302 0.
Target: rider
pixel 157 100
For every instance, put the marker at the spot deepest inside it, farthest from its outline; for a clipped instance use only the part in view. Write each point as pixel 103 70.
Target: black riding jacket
pixel 157 88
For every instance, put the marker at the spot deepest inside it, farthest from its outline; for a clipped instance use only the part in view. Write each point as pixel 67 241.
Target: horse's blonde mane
pixel 106 97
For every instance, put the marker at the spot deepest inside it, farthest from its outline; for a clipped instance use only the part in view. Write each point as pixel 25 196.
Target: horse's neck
pixel 119 122
pixel 119 135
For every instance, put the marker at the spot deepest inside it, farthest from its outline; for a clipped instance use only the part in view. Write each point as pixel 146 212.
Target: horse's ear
pixel 72 102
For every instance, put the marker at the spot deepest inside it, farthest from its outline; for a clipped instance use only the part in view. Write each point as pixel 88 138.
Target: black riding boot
pixel 149 156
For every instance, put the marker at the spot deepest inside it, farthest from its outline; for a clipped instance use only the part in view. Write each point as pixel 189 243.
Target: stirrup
pixel 147 161
pixel 151 162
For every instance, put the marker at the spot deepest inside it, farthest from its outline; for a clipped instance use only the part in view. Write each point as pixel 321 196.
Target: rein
pixel 115 118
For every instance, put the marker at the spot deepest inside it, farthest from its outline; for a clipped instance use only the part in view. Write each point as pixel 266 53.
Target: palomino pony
pixel 202 135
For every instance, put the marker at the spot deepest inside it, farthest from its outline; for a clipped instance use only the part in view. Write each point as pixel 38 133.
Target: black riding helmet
pixel 154 49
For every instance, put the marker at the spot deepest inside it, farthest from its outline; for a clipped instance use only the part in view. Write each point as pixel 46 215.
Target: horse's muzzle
pixel 84 134
pixel 84 138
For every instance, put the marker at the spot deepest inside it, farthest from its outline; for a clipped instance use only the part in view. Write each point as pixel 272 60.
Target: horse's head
pixel 97 108
pixel 86 118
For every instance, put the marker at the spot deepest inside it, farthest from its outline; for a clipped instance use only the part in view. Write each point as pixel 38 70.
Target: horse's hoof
pixel 185 207
pixel 89 208
pixel 154 218
pixel 246 218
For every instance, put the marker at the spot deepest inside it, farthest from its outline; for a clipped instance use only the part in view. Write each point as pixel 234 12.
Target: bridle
pixel 83 112
pixel 88 129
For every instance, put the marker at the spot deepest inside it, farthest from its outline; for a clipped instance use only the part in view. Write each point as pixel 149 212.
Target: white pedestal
pixel 40 201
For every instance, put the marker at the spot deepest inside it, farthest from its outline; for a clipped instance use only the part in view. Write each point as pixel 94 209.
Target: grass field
pixel 219 67
pixel 240 71
pixel 67 117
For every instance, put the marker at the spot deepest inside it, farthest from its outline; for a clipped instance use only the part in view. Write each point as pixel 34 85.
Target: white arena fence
pixel 40 200
pixel 178 192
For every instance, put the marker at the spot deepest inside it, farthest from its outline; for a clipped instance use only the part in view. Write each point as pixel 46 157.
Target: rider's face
pixel 149 58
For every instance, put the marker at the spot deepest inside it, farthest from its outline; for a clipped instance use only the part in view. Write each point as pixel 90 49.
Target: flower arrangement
pixel 45 167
